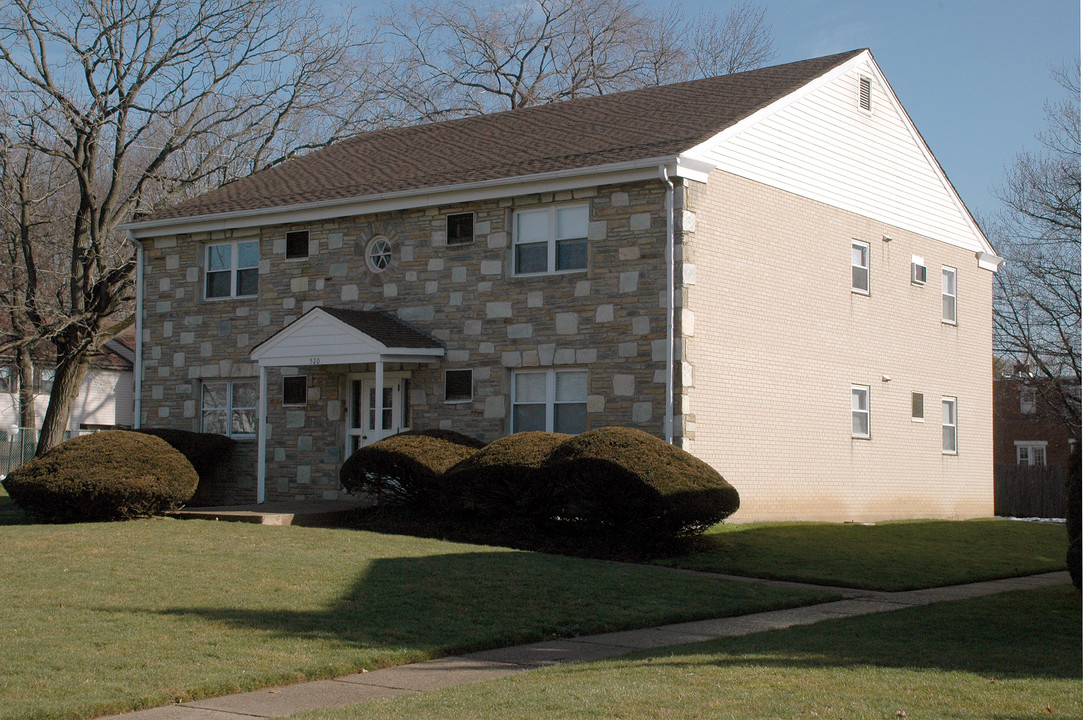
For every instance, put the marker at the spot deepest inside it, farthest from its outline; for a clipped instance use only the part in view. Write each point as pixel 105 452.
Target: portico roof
pixel 338 336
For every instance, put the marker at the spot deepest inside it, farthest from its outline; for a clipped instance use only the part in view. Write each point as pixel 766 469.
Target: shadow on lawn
pixel 473 600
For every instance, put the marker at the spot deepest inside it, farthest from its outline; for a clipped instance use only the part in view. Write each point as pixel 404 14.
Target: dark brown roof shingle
pixel 653 122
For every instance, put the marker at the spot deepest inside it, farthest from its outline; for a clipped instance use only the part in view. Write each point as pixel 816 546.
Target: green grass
pixel 1015 655
pixel 103 618
pixel 900 555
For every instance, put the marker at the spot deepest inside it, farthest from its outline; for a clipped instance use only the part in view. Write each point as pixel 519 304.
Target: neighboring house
pixel 105 400
pixel 826 348
pixel 1026 431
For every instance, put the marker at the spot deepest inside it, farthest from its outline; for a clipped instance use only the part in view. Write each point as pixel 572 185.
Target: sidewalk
pixel 490 664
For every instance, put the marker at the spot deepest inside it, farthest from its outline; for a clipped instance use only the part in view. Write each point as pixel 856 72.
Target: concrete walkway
pixel 490 664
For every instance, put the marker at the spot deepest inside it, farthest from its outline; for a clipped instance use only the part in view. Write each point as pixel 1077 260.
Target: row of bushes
pixel 613 480
pixel 119 474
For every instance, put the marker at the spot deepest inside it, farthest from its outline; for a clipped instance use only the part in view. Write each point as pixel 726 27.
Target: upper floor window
pixel 297 245
pixel 950 426
pixel 917 407
pixel 549 401
pixel 460 229
pixel 551 240
pixel 229 407
pixel 378 254
pixel 7 379
pixel 233 269
pixel 859 411
pixel 1028 400
pixel 859 267
pixel 948 291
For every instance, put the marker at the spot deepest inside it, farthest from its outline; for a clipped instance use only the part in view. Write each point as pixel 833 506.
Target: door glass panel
pixel 372 408
pixel 355 404
pixel 386 414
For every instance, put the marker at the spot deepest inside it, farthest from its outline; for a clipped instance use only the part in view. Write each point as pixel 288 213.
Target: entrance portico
pixel 325 337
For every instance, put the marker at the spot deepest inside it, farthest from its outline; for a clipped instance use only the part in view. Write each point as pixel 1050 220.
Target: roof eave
pixel 569 179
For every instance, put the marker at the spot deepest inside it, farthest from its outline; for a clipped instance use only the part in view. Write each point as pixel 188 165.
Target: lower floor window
pixel 549 401
pixel 229 407
pixel 859 411
pixel 950 426
pixel 1032 453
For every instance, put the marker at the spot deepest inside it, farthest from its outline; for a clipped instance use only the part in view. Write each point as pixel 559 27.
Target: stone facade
pixel 608 319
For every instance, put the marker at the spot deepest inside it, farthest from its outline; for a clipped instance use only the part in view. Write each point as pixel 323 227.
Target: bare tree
pixel 140 102
pixel 1037 307
pixel 449 58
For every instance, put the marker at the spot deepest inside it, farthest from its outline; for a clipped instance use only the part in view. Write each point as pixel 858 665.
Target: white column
pixel 378 421
pixel 261 439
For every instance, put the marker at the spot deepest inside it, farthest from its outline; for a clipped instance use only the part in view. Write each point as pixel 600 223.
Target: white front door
pixel 363 404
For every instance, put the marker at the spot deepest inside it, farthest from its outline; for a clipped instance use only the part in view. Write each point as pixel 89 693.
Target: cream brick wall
pixel 779 338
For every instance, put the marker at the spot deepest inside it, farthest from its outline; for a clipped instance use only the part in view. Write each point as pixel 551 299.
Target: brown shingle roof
pixel 384 328
pixel 653 122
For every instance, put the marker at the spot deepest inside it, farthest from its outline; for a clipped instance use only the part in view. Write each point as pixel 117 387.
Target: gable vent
pixel 864 99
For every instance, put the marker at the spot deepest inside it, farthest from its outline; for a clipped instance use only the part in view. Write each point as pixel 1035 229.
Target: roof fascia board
pixel 399 355
pixel 467 192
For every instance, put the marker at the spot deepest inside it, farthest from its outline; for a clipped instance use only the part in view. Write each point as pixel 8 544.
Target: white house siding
pixel 105 399
pixel 823 147
pixel 779 338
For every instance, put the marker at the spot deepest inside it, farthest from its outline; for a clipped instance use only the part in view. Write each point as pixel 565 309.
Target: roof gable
pixel 332 336
pixel 818 143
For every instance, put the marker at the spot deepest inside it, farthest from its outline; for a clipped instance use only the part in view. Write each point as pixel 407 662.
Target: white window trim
pixel 868 272
pixel 464 400
pixel 371 247
pixel 1030 445
pixel 551 242
pixel 867 412
pixel 954 296
pixel 234 259
pixel 229 405
pixel 550 395
pixel 954 425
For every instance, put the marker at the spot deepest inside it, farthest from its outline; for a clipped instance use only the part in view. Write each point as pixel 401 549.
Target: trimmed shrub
pixel 210 455
pixel 112 475
pixel 1072 521
pixel 635 484
pixel 405 469
pixel 506 479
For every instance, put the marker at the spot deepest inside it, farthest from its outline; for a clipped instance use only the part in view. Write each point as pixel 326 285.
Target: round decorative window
pixel 378 254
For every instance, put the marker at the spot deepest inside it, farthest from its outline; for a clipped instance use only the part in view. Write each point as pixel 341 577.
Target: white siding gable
pixel 819 144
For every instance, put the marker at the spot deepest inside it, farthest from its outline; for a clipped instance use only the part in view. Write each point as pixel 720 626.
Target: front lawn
pixel 1015 655
pixel 902 555
pixel 103 618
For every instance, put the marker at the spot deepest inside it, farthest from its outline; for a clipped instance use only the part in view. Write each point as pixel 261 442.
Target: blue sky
pixel 974 75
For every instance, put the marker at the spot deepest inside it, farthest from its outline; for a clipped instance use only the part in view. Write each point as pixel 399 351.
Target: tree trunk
pixel 70 372
pixel 24 370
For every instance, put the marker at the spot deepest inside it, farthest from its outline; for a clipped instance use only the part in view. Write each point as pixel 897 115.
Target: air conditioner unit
pixel 919 274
